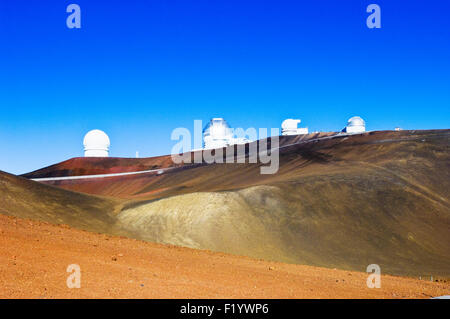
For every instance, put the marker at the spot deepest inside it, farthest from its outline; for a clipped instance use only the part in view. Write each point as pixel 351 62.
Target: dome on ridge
pixel 96 144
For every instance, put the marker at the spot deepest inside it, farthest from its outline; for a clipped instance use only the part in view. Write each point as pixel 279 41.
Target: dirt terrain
pixel 34 257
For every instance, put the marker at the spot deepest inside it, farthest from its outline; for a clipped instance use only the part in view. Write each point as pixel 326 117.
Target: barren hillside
pixel 339 202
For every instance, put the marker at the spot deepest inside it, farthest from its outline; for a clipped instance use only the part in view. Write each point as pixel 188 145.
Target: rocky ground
pixel 34 257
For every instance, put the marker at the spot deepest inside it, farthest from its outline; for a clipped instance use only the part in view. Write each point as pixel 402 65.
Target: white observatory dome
pixel 217 133
pixel 96 144
pixel 290 124
pixel 290 127
pixel 356 121
pixel 355 125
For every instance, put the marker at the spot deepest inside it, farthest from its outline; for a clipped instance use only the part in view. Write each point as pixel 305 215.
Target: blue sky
pixel 139 69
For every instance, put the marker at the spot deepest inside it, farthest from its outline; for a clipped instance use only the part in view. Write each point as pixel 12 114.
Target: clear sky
pixel 138 69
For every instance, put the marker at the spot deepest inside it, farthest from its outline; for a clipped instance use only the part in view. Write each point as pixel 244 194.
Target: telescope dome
pixel 217 133
pixel 290 124
pixel 355 125
pixel 356 121
pixel 96 144
pixel 290 127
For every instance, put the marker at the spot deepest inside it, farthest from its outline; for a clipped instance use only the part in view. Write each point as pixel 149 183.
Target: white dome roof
pixel 96 140
pixel 217 133
pixel 290 124
pixel 356 121
pixel 217 128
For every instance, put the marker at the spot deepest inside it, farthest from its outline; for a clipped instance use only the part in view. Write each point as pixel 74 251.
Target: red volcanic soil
pixel 101 165
pixel 34 257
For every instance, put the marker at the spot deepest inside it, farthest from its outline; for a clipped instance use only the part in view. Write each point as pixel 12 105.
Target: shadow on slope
pixel 27 199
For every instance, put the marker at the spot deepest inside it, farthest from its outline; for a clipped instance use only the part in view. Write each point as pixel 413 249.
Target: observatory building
pixel 96 144
pixel 217 134
pixel 355 125
pixel 290 127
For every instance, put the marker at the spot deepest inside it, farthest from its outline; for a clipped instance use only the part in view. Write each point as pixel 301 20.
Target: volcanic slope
pixel 340 202
pixel 22 198
pixel 79 166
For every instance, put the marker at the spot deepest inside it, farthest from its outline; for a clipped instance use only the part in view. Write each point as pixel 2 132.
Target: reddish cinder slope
pixel 101 165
